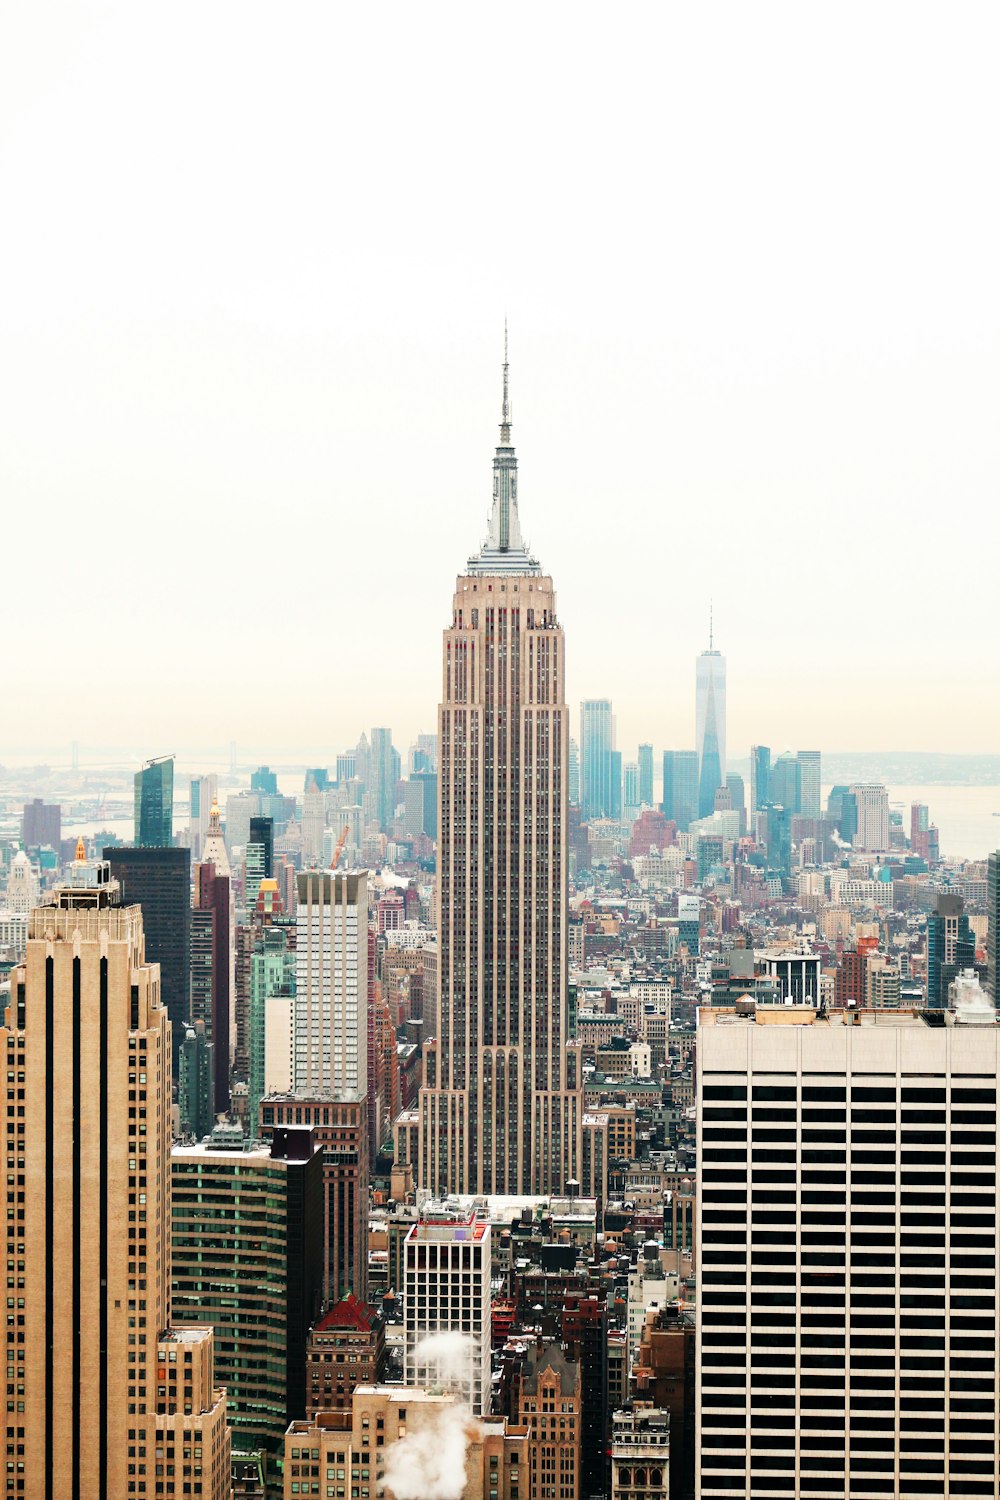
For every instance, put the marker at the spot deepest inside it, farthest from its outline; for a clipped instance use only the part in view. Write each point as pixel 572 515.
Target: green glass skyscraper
pixel 154 804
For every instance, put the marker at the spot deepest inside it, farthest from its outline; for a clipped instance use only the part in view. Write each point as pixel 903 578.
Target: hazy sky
pixel 254 266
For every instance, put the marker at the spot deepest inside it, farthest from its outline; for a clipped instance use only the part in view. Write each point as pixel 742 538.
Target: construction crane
pixel 335 861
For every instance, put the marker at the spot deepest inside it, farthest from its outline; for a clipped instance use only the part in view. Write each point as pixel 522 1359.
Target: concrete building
pixel 640 1453
pixel 872 806
pixel 446 1306
pixel 89 1063
pixel 247 1259
pixel 331 984
pixel 502 1106
pixel 847 1221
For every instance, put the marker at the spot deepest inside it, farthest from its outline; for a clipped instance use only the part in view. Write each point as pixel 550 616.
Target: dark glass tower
pixel 154 804
pixel 159 880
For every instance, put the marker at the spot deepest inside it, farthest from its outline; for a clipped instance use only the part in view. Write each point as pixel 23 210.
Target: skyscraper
pixel 710 725
pixel 159 880
pixel 501 1109
pixel 88 1041
pixel 630 795
pixel 330 1038
pixel 383 777
pixel 596 742
pixel 951 946
pixel 760 777
pixel 810 783
pixel 154 804
pixel 203 794
pixel 680 787
pixel 211 940
pixel 847 1318
pixel 786 783
pixel 41 824
pixel 873 816
pixel 574 773
pixel 645 775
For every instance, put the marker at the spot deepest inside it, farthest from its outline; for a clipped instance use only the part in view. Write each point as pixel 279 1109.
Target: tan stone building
pixel 422 1437
pixel 550 1407
pixel 87 1126
pixel 502 1106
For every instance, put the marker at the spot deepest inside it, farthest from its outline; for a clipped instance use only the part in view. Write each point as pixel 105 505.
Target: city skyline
pixel 794 381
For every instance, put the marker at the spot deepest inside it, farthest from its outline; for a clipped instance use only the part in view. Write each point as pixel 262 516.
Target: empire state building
pixel 502 1106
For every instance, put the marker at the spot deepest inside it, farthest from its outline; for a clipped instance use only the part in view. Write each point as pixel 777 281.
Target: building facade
pixel 502 1106
pixel 446 1307
pixel 847 1317
pixel 331 984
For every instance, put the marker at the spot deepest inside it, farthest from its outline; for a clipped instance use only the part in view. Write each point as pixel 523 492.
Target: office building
pixel 786 783
pixel 264 780
pixel 680 787
pixel 584 1332
pixel 383 777
pixel 847 1315
pixel 710 725
pixel 41 825
pixel 810 783
pixel 22 886
pixel 951 946
pixel 159 880
pixel 331 984
pixel 760 777
pixel 203 793
pixel 340 1126
pixel 196 1084
pixel 213 849
pixel 842 811
pixel 872 804
pixel 501 1109
pixel 211 968
pixel 345 1349
pixel 596 744
pixel 154 804
pixel 446 1263
pixel 573 780
pixel 247 1260
pixel 421 804
pixel 271 964
pixel 407 1441
pixel 630 794
pixel 89 1047
pixel 259 859
pixel 645 775
pixel 615 810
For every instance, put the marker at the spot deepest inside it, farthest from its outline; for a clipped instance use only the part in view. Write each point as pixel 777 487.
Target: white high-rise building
pixel 204 794
pixel 872 801
pixel 446 1306
pixel 847 1228
pixel 330 1041
pixel 810 783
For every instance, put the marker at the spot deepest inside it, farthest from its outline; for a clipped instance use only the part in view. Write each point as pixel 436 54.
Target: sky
pixel 255 262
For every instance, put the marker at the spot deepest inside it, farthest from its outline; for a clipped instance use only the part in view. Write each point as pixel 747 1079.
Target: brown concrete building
pixel 550 1400
pixel 502 1106
pixel 414 1436
pixel 87 1125
pixel 345 1349
pixel 340 1126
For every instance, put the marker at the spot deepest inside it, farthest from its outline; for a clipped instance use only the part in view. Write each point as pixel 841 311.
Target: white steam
pixel 429 1464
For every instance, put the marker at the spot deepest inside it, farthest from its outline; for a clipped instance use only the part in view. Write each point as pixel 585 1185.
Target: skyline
pixel 781 406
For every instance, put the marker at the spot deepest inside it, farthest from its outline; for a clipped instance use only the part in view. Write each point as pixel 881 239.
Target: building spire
pixel 505 412
pixel 711 627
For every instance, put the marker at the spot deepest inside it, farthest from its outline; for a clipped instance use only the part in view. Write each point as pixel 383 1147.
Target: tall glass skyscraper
pixel 645 775
pixel 680 787
pixel 154 804
pixel 710 727
pixel 810 783
pixel 596 742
